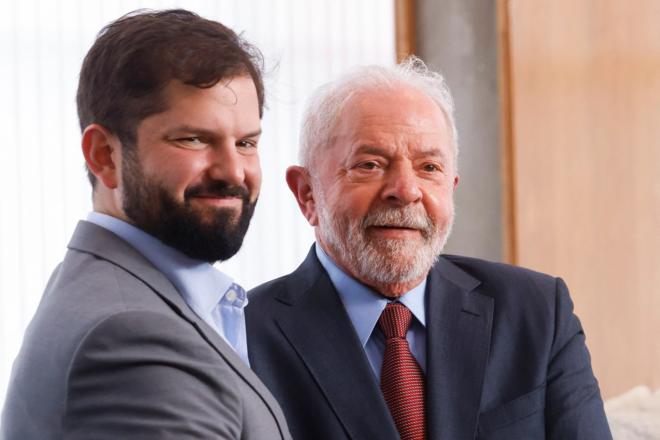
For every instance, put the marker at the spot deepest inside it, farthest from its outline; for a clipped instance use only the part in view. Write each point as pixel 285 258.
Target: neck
pixel 104 202
pixel 391 290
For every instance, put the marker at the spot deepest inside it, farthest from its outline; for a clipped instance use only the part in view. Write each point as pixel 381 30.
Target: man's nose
pixel 401 185
pixel 226 164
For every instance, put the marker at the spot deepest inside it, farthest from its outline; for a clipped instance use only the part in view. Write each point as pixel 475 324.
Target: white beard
pixel 384 260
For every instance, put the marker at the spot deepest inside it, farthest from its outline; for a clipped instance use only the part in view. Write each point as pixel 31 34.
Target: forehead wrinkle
pixel 369 148
pixel 418 148
pixel 384 127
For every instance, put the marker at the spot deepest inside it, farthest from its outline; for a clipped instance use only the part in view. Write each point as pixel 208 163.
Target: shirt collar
pixel 363 304
pixel 200 284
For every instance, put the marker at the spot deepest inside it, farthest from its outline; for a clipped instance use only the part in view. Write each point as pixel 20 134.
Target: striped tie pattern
pixel 401 379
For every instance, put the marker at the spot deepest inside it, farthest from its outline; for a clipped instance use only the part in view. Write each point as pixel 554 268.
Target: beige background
pixel 581 101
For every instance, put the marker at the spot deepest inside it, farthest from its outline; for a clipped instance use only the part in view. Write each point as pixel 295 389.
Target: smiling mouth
pixel 218 200
pixel 410 228
pixel 393 231
pixel 213 196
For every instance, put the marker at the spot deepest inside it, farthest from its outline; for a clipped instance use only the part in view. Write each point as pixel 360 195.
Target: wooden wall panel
pixel 404 25
pixel 584 90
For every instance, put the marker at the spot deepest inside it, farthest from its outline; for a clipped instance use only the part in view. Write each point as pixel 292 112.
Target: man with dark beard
pixel 137 334
pixel 378 336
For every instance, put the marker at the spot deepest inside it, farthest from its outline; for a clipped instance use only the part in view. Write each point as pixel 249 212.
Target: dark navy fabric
pixel 506 357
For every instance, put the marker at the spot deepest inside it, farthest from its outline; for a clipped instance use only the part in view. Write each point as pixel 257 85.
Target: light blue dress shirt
pixel 211 294
pixel 364 307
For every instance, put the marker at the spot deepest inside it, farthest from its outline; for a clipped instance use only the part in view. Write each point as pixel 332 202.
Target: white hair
pixel 324 106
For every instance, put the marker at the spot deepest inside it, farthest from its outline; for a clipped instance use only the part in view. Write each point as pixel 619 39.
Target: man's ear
pixel 300 184
pixel 101 151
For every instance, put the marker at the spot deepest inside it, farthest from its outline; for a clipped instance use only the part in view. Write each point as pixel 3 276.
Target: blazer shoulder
pixel 137 329
pixel 514 288
pixel 284 288
pixel 289 287
pixel 269 288
pixel 501 273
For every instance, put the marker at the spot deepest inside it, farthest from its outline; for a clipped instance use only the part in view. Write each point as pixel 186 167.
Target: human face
pixel 384 188
pixel 193 179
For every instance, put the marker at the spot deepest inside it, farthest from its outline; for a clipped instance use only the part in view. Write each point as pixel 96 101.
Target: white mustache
pixel 402 218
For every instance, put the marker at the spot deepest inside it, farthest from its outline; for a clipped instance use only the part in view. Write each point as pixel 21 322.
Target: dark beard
pixel 179 225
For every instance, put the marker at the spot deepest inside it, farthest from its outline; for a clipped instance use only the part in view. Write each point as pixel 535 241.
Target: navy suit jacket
pixel 506 357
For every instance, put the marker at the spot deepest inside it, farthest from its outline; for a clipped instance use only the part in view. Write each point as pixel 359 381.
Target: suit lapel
pixel 96 240
pixel 319 329
pixel 458 340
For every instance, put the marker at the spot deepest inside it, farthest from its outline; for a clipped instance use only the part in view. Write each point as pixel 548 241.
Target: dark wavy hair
pixel 124 74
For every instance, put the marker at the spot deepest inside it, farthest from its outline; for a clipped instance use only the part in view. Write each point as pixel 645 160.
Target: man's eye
pixel 431 167
pixel 246 143
pixel 192 142
pixel 368 165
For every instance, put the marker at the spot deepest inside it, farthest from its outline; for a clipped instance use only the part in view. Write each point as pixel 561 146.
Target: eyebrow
pixel 371 149
pixel 210 133
pixel 380 151
pixel 253 134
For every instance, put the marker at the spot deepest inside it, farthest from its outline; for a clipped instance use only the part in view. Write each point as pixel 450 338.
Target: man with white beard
pixel 378 336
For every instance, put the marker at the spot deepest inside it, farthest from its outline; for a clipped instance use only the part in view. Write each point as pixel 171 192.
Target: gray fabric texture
pixel 113 352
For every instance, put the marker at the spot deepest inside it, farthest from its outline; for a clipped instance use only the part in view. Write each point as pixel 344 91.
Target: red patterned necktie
pixel 401 378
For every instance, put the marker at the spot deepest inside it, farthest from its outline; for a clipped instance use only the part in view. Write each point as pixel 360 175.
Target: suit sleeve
pixel 574 408
pixel 145 375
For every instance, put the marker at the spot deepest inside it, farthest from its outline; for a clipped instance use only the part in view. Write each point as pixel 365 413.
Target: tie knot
pixel 395 320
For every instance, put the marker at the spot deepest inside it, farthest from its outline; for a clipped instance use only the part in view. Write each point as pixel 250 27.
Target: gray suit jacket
pixel 114 352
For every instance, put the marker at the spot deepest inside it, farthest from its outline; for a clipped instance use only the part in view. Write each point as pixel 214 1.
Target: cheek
pixel 349 200
pixel 439 205
pixel 355 202
pixel 253 176
pixel 173 173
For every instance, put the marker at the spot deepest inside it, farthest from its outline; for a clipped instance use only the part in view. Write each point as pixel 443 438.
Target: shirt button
pixel 230 295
